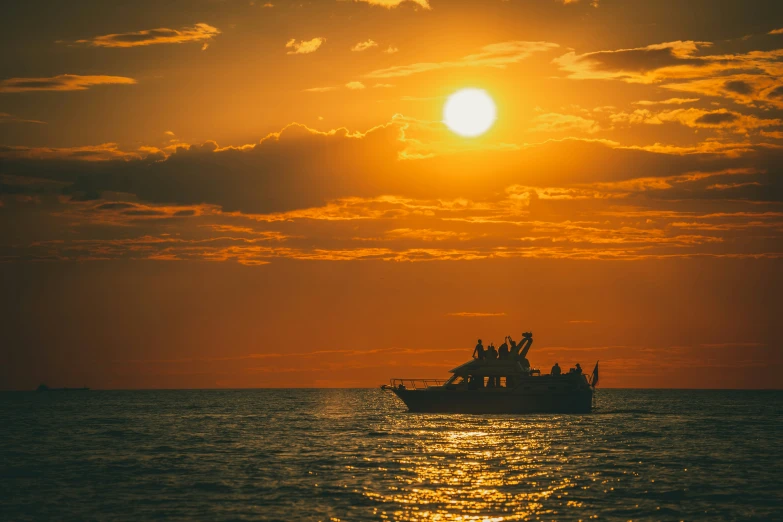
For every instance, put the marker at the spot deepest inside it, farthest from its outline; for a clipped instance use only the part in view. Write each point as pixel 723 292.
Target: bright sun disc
pixel 469 112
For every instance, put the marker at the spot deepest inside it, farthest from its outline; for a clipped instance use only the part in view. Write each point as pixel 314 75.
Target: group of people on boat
pixel 557 371
pixel 510 349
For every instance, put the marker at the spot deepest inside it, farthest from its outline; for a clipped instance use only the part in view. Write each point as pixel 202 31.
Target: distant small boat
pixel 45 388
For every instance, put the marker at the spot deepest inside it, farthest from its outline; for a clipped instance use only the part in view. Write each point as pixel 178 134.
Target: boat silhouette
pixel 501 385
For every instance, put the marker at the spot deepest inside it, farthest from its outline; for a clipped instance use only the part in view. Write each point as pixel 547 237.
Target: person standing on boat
pixel 512 345
pixel 556 369
pixel 503 351
pixel 478 353
pixel 492 353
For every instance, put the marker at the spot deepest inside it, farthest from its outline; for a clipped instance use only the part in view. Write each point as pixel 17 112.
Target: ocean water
pixel 358 455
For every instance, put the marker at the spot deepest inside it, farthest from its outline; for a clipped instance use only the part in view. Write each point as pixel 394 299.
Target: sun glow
pixel 469 112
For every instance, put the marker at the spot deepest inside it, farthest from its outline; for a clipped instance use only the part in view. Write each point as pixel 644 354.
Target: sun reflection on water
pixel 513 468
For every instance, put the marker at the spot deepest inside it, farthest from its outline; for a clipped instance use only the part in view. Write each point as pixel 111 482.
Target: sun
pixel 469 112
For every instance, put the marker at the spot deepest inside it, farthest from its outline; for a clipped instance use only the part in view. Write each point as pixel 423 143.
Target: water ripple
pixel 358 455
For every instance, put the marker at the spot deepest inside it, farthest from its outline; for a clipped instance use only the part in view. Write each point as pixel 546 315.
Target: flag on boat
pixel 594 380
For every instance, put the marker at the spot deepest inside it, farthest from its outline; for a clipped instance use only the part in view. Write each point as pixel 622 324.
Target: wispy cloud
pixel 62 82
pixel 304 46
pixel 10 118
pixel 104 151
pixel 162 35
pixel 320 89
pixel 669 101
pixel 424 4
pixel 497 55
pixel 555 122
pixel 363 46
pixel 593 3
pixel 354 85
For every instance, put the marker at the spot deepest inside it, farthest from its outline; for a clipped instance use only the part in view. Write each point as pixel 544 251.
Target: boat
pixel 45 388
pixel 501 385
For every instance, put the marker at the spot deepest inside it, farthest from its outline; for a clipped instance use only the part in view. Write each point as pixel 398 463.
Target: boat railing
pixel 417 384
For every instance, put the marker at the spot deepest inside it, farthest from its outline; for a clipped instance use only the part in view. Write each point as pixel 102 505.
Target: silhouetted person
pixel 478 353
pixel 492 353
pixel 503 351
pixel 512 345
pixel 556 369
pixel 578 369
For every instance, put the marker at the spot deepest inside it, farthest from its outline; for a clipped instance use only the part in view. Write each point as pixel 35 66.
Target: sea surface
pixel 359 455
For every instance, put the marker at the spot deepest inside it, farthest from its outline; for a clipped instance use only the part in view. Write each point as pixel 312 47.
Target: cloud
pixel 637 116
pixel 304 46
pixel 697 118
pixel 497 55
pixel 669 101
pixel 555 122
pixel 10 118
pixel 638 65
pixel 354 85
pixel 593 3
pixel 383 85
pixel 348 196
pixel 728 186
pixel 63 82
pixel 739 87
pixel 685 66
pixel 746 89
pixel 320 89
pixel 102 152
pixel 363 46
pixel 391 50
pixel 196 33
pixel 776 93
pixel 716 118
pixel 721 118
pixel 776 31
pixel 389 4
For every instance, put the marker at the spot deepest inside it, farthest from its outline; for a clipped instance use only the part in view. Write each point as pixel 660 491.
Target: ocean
pixel 333 454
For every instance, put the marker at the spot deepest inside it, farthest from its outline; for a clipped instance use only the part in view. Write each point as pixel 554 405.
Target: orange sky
pixel 248 193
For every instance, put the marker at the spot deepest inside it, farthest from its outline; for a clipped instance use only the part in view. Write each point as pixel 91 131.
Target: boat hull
pixel 441 400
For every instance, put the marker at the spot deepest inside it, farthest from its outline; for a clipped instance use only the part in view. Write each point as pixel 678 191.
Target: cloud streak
pixel 390 4
pixel 200 32
pixel 363 46
pixel 10 118
pixel 62 82
pixel 497 55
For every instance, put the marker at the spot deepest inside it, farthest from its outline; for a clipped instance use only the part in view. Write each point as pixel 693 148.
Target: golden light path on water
pixel 461 475
pixel 369 459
